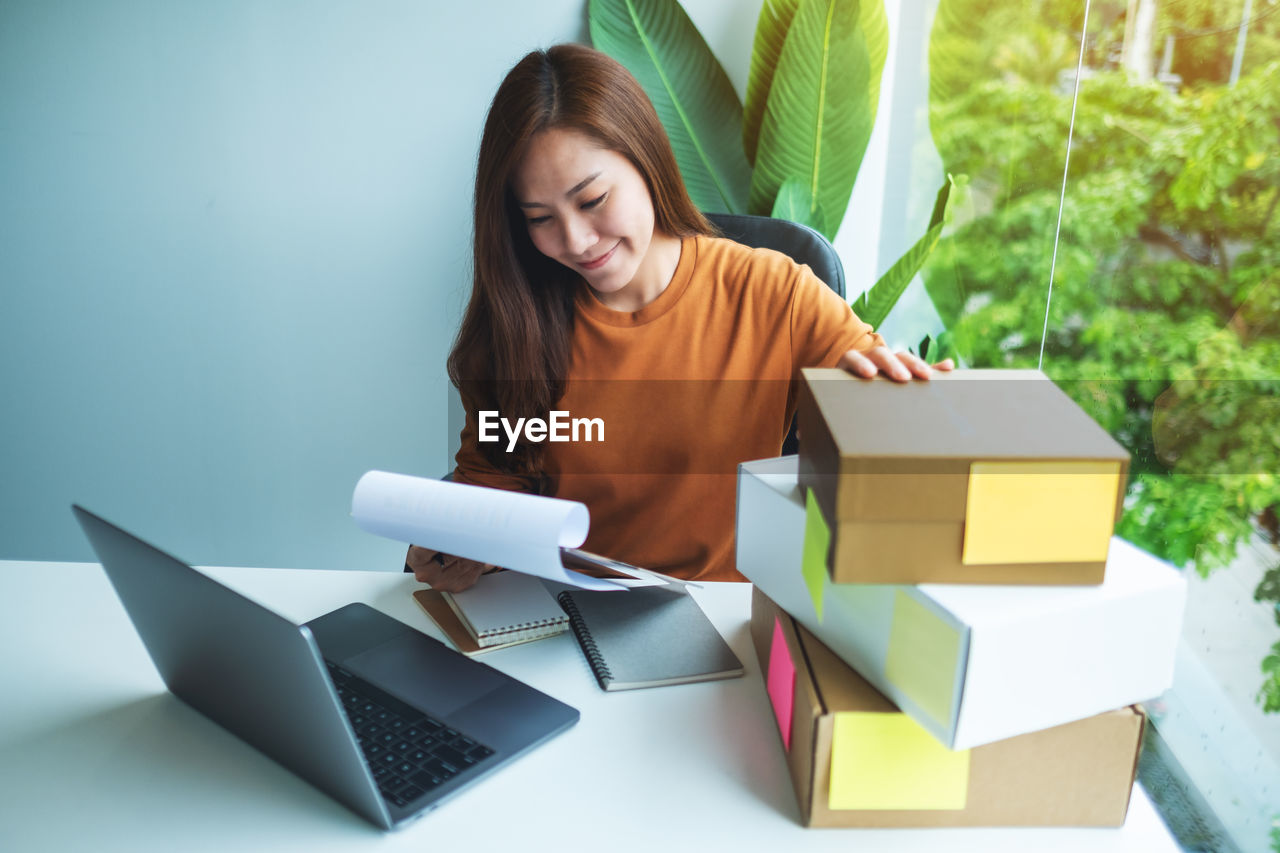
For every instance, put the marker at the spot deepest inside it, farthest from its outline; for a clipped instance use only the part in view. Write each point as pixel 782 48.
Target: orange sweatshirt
pixel 700 379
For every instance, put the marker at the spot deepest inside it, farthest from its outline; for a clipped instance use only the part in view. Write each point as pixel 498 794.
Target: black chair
pixel 801 243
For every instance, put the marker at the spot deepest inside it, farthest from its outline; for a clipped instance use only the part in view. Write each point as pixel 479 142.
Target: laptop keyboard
pixel 409 752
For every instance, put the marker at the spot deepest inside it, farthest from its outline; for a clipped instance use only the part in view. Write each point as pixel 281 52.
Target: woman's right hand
pixel 445 572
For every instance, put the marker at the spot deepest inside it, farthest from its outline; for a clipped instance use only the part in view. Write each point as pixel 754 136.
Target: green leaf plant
pixel 874 305
pixel 795 149
pixel 690 90
pixel 818 113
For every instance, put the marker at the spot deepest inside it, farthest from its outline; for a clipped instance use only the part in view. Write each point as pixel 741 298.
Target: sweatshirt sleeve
pixel 474 469
pixel 823 326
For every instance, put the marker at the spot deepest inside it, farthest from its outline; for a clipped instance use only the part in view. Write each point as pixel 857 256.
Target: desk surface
pixel 95 754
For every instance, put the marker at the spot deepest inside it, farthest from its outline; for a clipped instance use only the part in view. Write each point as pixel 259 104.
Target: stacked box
pixel 856 760
pixel 950 632
pixel 976 476
pixel 970 664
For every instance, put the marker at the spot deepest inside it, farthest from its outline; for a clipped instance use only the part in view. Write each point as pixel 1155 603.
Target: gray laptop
pixel 383 718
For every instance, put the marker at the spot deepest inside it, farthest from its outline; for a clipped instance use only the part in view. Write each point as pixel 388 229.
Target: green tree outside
pixel 1165 313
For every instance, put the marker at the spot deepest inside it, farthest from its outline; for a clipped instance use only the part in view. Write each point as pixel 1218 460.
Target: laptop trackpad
pixel 424 673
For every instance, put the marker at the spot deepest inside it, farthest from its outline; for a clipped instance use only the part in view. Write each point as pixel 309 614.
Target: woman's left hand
pixel 900 367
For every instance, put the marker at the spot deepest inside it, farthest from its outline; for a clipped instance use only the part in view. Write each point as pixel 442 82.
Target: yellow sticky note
pixel 1040 512
pixel 817 538
pixel 886 761
pixel 922 658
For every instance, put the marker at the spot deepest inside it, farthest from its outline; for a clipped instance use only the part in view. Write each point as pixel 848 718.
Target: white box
pixel 972 664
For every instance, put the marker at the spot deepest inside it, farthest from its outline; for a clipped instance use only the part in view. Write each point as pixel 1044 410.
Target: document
pixel 524 533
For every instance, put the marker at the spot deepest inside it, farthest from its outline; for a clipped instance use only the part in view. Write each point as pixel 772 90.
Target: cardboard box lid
pixel 878 451
pixel 878 424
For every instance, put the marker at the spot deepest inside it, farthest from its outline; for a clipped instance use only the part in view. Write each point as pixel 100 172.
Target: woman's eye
pixel 595 202
pixel 537 220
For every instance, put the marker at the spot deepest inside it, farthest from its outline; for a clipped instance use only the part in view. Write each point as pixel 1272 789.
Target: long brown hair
pixel 512 351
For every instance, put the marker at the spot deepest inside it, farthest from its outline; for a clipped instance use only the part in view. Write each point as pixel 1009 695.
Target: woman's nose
pixel 579 237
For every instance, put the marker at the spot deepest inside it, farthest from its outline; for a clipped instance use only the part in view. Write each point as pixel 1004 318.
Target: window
pixel 1162 236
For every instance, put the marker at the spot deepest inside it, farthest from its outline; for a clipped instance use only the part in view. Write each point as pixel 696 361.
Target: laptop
pixel 385 719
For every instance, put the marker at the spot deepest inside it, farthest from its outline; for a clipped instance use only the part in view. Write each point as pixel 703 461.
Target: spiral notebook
pixel 648 637
pixel 502 609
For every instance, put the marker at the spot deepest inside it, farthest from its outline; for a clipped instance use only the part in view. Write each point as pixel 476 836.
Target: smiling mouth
pixel 600 261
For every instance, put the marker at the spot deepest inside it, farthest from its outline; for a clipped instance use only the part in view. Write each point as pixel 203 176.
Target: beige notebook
pixel 502 609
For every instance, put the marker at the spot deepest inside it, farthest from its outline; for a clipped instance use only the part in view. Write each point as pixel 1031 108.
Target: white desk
pixel 95 755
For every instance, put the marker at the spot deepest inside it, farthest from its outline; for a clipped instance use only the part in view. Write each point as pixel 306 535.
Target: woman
pixel 600 291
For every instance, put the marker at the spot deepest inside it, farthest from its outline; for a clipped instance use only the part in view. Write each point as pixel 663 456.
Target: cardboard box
pixel 971 664
pixel 976 476
pixel 856 760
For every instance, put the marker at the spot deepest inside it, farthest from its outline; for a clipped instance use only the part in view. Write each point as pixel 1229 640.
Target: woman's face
pixel 586 207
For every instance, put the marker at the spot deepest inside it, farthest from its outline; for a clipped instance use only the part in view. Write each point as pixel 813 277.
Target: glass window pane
pixel 1164 314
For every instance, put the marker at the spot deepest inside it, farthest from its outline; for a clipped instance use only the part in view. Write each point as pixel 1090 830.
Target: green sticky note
pixel 817 539
pixel 922 657
pixel 887 761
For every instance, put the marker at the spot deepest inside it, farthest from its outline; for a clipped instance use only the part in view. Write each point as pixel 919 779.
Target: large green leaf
pixel 818 116
pixel 875 30
pixel 697 104
pixel 771 32
pixel 874 305
pixel 795 203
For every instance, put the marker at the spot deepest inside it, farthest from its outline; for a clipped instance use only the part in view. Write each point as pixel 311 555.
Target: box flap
pixel 1141 713
pixel 840 687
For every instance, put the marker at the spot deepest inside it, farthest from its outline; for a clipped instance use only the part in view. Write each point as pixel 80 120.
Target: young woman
pixel 600 291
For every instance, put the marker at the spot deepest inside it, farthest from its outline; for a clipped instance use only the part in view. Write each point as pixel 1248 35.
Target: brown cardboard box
pixel 895 469
pixel 1078 774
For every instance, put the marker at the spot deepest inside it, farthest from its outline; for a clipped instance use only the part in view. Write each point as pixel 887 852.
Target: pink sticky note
pixel 781 682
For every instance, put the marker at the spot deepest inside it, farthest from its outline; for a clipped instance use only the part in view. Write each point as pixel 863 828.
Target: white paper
pixel 509 529
pixel 646 577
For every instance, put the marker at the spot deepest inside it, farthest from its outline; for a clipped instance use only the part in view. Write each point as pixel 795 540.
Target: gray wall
pixel 233 251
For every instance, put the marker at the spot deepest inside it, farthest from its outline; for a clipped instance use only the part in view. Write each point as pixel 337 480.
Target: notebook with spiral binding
pixel 446 619
pixel 505 608
pixel 647 637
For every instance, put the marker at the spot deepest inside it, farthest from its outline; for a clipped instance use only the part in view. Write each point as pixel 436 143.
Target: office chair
pixel 801 243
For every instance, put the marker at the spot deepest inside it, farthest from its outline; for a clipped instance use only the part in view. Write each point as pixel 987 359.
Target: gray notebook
pixel 647 637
